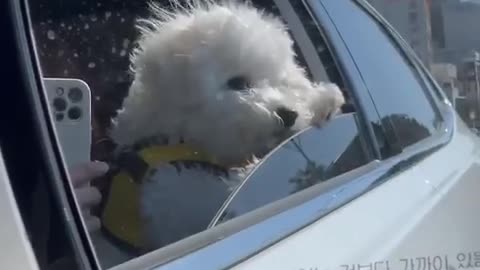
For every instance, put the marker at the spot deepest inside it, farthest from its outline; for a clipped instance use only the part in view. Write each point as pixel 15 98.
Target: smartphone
pixel 70 106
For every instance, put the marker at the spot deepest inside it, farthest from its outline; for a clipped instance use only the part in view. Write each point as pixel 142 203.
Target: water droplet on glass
pixel 123 53
pixel 75 55
pixel 65 72
pixel 62 24
pixel 114 50
pixel 86 26
pixel 93 18
pixel 51 35
pixel 122 20
pixel 91 65
pixel 126 42
pixel 60 53
pixel 108 14
pixel 69 27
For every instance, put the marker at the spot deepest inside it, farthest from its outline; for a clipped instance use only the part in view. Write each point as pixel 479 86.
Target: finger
pixel 83 174
pixel 88 197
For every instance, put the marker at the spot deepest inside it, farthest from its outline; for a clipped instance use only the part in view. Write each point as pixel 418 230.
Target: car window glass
pixel 397 91
pixel 165 186
pixel 310 161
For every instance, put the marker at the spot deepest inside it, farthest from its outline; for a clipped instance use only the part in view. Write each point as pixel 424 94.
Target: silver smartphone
pixel 70 106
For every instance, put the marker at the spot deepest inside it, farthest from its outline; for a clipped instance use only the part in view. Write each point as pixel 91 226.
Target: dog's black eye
pixel 238 83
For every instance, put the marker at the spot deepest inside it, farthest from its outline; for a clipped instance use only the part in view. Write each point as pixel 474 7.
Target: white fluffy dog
pixel 222 78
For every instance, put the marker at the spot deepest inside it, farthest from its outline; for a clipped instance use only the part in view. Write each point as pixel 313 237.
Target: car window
pixel 177 150
pixel 310 161
pixel 398 91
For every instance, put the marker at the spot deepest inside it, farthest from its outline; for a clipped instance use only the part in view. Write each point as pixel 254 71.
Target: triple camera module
pixel 66 105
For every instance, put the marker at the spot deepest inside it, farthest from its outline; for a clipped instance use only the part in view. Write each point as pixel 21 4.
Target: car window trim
pixel 303 40
pixel 52 155
pixel 408 53
pixel 344 69
pixel 396 40
pixel 436 97
pixel 365 108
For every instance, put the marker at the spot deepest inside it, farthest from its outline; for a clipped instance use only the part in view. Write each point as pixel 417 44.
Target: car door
pixel 421 216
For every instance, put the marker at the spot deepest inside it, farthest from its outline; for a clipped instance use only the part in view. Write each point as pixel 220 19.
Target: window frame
pixel 435 97
pixel 259 236
pixel 416 152
pixel 409 54
pixel 301 37
pixel 46 154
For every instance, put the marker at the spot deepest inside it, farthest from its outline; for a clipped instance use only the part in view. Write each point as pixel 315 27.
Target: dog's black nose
pixel 288 116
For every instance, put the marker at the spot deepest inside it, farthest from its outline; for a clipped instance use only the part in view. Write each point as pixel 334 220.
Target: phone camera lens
pixel 59 117
pixel 74 113
pixel 59 104
pixel 75 94
pixel 60 91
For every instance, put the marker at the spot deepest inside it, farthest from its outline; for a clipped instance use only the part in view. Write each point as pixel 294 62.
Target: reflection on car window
pixel 397 90
pixel 313 156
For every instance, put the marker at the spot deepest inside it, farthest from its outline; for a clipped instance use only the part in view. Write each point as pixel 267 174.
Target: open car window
pixel 165 187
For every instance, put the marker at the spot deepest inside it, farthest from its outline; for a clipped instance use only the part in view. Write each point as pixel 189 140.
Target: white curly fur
pixel 182 63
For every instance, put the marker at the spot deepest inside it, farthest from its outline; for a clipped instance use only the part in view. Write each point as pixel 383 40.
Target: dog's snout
pixel 288 116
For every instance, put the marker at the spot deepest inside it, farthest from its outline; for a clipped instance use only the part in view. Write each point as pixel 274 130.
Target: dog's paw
pixel 327 104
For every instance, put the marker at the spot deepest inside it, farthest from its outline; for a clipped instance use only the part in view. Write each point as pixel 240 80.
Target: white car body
pixel 429 210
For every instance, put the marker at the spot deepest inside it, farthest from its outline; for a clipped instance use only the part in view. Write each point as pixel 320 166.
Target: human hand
pixel 86 195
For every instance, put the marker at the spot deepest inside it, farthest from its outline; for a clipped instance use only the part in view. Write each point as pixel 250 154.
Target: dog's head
pixel 222 77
